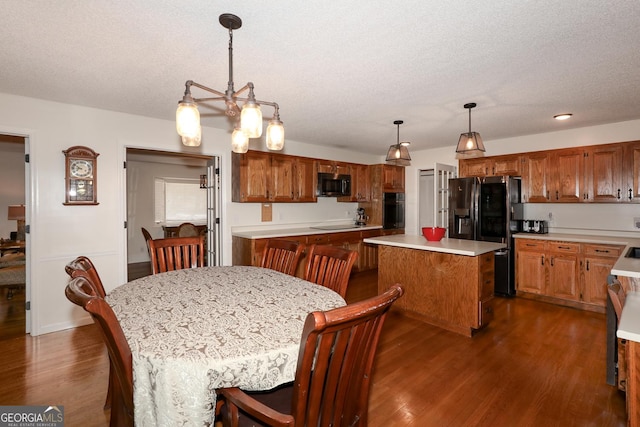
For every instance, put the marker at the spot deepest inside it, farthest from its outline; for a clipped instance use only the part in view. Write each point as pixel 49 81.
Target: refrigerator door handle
pixel 500 252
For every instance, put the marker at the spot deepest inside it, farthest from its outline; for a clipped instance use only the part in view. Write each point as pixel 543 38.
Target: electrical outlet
pixel 636 222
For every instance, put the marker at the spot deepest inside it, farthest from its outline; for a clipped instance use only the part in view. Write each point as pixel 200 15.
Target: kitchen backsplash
pixel 597 218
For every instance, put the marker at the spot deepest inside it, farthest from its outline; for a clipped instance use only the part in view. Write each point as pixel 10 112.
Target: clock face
pixel 80 168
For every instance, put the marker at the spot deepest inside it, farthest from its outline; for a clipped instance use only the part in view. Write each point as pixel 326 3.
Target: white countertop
pixel 629 327
pixel 446 245
pixel 299 231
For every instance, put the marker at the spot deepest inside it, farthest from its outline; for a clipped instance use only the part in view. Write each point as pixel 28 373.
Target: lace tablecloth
pixel 193 331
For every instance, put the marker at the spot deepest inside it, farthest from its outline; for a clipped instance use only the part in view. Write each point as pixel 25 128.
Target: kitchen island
pixel 448 284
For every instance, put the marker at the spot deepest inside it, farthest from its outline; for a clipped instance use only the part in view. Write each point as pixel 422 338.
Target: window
pixel 179 200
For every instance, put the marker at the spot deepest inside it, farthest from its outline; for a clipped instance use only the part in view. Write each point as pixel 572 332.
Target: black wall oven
pixel 393 210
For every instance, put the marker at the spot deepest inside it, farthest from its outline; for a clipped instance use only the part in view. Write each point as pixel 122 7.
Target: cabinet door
pixel 282 189
pixel 475 167
pixel 563 276
pixel 507 165
pixel 530 269
pixel 632 170
pixel 252 177
pixel 363 183
pixel 393 178
pixel 535 181
pixel 596 271
pixel 305 181
pixel 568 175
pixel 604 174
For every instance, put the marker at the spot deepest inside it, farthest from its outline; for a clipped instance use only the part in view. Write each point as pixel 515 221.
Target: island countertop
pixel 446 245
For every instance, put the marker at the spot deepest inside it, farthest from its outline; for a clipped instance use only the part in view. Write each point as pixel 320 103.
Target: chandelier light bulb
pixel 275 135
pixel 239 141
pixel 193 141
pixel 188 119
pixel 251 120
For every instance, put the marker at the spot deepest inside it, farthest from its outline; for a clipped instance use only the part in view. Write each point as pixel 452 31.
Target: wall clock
pixel 81 179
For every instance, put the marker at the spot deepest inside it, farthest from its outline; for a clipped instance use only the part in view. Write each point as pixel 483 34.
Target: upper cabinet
pixel 337 168
pixel 360 184
pixel 510 165
pixel 393 179
pixel 262 177
pixel 608 173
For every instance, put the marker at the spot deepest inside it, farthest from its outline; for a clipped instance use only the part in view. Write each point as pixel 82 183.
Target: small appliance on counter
pixel 361 218
pixel 533 226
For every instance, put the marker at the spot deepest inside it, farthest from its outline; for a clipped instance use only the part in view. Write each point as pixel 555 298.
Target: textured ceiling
pixel 341 71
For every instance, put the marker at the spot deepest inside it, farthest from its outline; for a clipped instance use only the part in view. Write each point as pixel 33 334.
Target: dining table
pixel 196 330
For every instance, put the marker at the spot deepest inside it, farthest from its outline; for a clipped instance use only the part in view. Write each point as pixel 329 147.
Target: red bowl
pixel 434 234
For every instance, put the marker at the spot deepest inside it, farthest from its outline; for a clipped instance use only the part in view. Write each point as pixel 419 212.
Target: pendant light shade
pixel 470 143
pixel 398 153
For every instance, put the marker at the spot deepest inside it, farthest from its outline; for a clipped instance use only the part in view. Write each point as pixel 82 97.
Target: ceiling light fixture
pixel 248 121
pixel 564 116
pixel 398 153
pixel 470 142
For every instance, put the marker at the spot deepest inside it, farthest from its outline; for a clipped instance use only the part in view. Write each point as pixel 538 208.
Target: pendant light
pixel 470 143
pixel 398 153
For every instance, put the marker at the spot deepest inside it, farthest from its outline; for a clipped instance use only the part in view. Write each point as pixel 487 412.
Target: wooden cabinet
pixel 631 171
pixel 393 179
pixel 329 166
pixel 566 273
pixel 605 174
pixel 249 251
pixel 486 289
pixel 530 266
pixel 260 177
pixel 535 186
pixel 360 184
pixel 567 175
pixel 563 270
pixel 598 260
pixel 508 165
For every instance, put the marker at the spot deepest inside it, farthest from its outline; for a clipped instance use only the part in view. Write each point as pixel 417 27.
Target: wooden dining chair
pixel 333 374
pixel 83 267
pixel 176 253
pixel 330 266
pixel 282 255
pixel 83 292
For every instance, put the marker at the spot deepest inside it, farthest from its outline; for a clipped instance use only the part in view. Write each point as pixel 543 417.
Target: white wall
pixel 12 184
pixel 571 218
pixel 60 233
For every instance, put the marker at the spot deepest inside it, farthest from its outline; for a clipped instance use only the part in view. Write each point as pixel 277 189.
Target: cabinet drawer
pixel 486 262
pixel 487 286
pixel 318 239
pixel 528 244
pixel 346 237
pixel 564 247
pixel 602 250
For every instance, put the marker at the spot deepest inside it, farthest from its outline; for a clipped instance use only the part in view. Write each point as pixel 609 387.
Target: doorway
pixel 165 189
pixel 13 243
pixel 433 196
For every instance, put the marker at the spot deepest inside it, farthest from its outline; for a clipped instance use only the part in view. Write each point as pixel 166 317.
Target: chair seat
pixel 278 398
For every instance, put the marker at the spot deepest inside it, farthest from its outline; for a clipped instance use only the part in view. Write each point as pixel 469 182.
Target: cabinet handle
pixel 552 261
pixel 542 258
pixel 587 265
pixel 618 194
pixel 630 194
pixel 564 247
pixel 605 251
pixel 557 195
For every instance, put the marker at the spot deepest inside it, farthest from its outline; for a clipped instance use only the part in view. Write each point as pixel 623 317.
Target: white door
pixel 442 174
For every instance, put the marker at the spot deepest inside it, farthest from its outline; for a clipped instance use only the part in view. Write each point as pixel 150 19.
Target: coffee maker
pixel 361 218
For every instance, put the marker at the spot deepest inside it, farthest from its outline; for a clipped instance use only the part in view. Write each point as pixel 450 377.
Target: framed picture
pixel 81 176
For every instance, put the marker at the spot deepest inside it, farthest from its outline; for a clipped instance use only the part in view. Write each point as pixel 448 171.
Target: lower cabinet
pixel 567 273
pixel 249 251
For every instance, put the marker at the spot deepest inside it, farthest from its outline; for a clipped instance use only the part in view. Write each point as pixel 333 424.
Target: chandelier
pixel 470 143
pixel 248 120
pixel 398 153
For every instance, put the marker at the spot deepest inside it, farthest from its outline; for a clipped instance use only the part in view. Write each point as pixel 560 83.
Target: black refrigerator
pixel 488 209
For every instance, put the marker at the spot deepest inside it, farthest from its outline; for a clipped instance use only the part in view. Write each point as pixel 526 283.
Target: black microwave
pixel 330 185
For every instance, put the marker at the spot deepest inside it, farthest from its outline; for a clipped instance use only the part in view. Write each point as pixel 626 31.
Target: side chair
pixel 82 292
pixel 330 266
pixel 282 255
pixel 176 253
pixel 333 375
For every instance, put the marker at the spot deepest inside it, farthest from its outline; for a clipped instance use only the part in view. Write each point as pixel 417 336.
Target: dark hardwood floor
pixel 536 365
